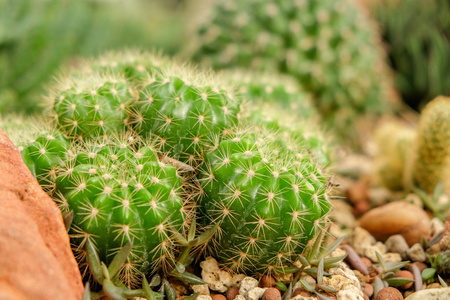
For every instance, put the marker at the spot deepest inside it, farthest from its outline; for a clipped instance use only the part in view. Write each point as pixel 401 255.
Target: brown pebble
pixel 271 294
pixel 398 217
pixel 405 274
pixel 368 290
pixel 434 286
pixel 329 295
pixel 366 297
pixel 301 292
pixel 366 261
pixel 389 293
pixel 266 281
pixel 218 297
pixel 419 265
pixel 232 293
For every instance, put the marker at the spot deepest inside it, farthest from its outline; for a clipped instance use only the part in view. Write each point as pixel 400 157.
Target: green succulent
pixel 268 197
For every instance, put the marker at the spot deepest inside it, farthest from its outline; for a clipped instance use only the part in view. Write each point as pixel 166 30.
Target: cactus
pixel 268 197
pixel 276 102
pixel 394 142
pixel 184 112
pixel 119 192
pixel 330 46
pixel 92 105
pixel 431 159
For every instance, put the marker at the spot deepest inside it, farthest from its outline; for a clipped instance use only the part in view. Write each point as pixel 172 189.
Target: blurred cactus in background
pixel 418 34
pixel 37 36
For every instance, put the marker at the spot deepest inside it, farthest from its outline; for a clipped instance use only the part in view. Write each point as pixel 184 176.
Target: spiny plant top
pixel 268 196
pixel 120 192
pixel 432 159
pixel 328 45
pixel 92 105
pixel 184 112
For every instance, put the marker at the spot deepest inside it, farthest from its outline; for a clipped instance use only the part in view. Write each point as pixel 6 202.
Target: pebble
pixel 218 297
pixel 247 284
pixel 301 297
pixel 368 290
pixel 434 286
pixel 204 297
pixel 416 253
pixel 301 292
pixel 431 294
pixel 405 274
pixel 397 217
pixel 255 293
pixel 202 289
pixel 397 243
pixel 232 293
pixel 217 279
pixel 266 281
pixel 436 226
pixel 389 293
pixel 271 294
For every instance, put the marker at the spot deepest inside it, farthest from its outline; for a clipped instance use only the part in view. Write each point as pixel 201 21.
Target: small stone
pixel 219 297
pixel 371 251
pixel 397 217
pixel 204 297
pixel 366 297
pixel 366 261
pixel 271 294
pixel 362 240
pixel 434 249
pixel 397 243
pixel 420 265
pixel 436 226
pixel 368 290
pixel 255 293
pixel 202 289
pixel 247 284
pixel 217 279
pixel 301 292
pixel 232 293
pixel 240 297
pixel 431 294
pixel 392 257
pixel 301 297
pixel 389 293
pixel 416 253
pixel 408 275
pixel 266 281
pixel 434 286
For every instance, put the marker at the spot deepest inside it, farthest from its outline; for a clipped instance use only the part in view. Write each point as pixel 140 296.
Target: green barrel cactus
pixel 330 47
pixel 184 112
pixel 268 196
pixel 92 105
pixel 431 161
pixel 118 192
pixel 276 102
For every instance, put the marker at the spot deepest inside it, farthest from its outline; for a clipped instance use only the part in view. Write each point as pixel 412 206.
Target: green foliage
pixel 268 196
pixel 330 46
pixel 418 34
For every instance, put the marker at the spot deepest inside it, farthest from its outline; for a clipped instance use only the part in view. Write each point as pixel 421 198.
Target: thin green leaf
pixel 320 272
pixel 87 292
pixel 328 260
pixel 327 289
pixel 178 237
pixel 285 270
pixel 93 261
pixel 288 294
pixel 119 259
pixel 306 286
pixel 392 266
pixel 428 273
pixel 155 281
pixel 378 285
pixel 192 230
pixel 190 278
pixel 179 268
pixel 281 286
pixel 324 242
pixel 322 297
pixel 442 282
pixel 192 297
pixel 149 293
pixel 127 293
pixel 315 272
pixel 112 291
pixel 333 246
pixel 315 247
pixel 105 271
pixel 170 292
pixel 380 260
pixel 303 260
pixel 206 236
pixel 438 190
pixel 398 281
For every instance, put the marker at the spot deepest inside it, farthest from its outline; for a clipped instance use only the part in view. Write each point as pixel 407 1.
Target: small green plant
pixel 387 276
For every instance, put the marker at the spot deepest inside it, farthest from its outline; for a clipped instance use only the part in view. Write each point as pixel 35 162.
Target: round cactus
pixel 120 192
pixel 431 159
pixel 269 197
pixel 330 46
pixel 183 113
pixel 92 105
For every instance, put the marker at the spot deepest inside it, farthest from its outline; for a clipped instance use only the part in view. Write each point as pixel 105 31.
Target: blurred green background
pixel 37 37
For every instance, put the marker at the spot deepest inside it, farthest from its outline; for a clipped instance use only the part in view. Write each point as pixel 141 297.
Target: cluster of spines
pixel 267 195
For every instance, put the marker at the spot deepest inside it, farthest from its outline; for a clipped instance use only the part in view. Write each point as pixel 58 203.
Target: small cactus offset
pixel 431 162
pixel 331 47
pixel 92 105
pixel 394 142
pixel 268 197
pixel 183 112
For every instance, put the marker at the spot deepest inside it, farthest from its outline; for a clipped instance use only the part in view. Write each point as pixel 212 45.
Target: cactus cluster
pixel 267 196
pixel 330 46
pixel 136 143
